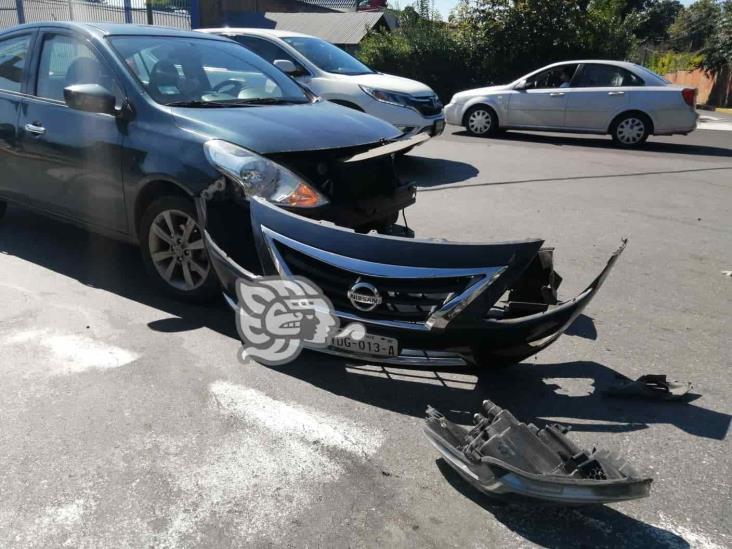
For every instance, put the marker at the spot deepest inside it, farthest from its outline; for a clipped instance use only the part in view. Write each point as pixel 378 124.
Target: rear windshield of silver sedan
pixel 180 70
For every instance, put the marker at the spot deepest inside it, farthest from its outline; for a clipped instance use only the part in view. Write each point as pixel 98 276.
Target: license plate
pixel 373 345
pixel 438 127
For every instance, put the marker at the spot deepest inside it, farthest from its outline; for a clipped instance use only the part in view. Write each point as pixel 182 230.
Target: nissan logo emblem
pixel 364 296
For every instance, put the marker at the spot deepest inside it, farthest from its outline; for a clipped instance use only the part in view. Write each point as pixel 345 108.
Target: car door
pixel 72 159
pixel 598 93
pixel 541 101
pixel 15 53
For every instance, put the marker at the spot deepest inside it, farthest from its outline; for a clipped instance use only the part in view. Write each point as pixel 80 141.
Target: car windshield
pixel 326 56
pixel 193 72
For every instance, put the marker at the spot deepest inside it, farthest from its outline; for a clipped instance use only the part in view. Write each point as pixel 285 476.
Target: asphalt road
pixel 126 419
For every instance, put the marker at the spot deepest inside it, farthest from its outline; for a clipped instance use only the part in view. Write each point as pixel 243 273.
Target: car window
pixel 190 71
pixel 554 77
pixel 13 53
pixel 267 50
pixel 605 76
pixel 326 56
pixel 67 61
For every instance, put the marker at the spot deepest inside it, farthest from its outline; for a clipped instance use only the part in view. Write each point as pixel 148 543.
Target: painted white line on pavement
pixel 292 420
pixel 714 124
pixel 69 353
pixel 694 539
pixel 262 473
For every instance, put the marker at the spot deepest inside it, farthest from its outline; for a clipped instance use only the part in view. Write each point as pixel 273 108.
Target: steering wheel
pixel 237 86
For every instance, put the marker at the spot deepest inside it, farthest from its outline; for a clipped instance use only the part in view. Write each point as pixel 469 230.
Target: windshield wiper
pixel 266 101
pixel 197 103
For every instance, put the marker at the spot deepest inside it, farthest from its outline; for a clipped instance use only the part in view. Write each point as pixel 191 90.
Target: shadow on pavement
pixel 583 327
pixel 533 393
pixel 554 526
pixel 427 172
pixel 530 392
pixel 604 142
pixel 101 262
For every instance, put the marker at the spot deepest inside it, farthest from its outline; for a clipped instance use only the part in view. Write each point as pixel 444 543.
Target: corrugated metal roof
pixel 334 4
pixel 346 28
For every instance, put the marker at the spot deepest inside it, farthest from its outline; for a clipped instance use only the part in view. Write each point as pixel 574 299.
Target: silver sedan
pixel 625 100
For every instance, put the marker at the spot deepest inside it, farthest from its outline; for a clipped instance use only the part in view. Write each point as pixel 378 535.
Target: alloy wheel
pixel 630 131
pixel 479 121
pixel 177 251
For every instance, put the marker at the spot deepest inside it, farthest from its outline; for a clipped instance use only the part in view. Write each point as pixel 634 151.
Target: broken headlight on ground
pixel 503 457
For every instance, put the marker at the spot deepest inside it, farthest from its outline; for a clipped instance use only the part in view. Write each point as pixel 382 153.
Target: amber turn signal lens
pixel 303 196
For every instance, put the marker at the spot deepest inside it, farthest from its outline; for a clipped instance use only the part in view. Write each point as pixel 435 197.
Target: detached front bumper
pixel 440 300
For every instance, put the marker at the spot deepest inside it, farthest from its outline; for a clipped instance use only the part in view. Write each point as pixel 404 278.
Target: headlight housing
pixel 259 176
pixel 385 96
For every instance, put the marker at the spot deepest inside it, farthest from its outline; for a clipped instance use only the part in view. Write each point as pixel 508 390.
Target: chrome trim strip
pixel 369 268
pixel 413 358
pixel 437 321
pixel 416 326
pixel 442 317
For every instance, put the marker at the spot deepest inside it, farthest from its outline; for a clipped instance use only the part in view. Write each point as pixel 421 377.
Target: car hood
pixel 286 128
pixel 468 94
pixel 390 82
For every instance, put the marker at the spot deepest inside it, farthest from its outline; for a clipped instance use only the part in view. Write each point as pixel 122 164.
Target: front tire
pixel 481 121
pixel 630 130
pixel 173 250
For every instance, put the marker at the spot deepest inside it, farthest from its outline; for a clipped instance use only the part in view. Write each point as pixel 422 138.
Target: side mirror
pixel 520 85
pixel 90 98
pixel 286 66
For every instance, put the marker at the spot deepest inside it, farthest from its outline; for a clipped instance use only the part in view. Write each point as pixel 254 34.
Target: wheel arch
pixel 479 103
pixel 151 191
pixel 637 112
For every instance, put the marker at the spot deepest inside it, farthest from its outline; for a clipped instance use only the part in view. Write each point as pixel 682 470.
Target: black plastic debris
pixel 651 386
pixel 505 458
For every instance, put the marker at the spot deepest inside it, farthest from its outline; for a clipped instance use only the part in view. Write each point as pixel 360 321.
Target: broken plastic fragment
pixel 651 386
pixel 503 457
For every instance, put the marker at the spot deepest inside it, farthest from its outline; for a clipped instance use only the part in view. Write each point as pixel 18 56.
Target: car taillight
pixel 689 95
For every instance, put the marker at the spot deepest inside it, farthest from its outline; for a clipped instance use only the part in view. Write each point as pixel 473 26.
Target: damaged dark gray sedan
pixel 221 167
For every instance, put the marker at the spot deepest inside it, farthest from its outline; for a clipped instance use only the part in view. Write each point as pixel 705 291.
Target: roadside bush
pixel 493 41
pixel 422 49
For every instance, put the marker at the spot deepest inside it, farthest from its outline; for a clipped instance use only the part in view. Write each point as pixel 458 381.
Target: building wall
pixel 715 90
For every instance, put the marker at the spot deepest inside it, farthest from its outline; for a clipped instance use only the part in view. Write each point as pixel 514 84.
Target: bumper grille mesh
pixel 404 299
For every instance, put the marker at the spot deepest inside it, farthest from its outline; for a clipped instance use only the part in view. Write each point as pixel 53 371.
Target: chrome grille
pixel 404 299
pixel 428 106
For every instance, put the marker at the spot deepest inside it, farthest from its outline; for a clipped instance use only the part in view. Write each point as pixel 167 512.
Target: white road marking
pixel 262 473
pixel 292 420
pixel 694 539
pixel 68 353
pixel 712 123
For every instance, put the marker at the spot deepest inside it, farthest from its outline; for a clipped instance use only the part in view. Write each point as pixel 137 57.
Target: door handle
pixel 35 128
pixel 556 94
pixel 616 93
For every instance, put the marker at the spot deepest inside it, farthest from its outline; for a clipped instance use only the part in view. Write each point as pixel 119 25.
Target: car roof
pixel 255 32
pixel 624 64
pixel 112 29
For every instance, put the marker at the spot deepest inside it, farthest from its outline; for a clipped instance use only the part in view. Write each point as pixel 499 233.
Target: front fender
pixel 499 103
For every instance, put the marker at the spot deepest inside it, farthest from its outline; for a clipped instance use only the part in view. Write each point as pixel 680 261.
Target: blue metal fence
pixel 182 14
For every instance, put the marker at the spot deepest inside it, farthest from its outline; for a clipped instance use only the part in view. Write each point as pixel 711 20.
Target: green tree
pixel 718 49
pixel 654 20
pixel 694 25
